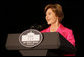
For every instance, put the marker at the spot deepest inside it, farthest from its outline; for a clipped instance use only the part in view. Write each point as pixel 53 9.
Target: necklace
pixel 54 29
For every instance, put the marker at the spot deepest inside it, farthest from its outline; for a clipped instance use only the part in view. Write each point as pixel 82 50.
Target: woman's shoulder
pixel 66 29
pixel 45 30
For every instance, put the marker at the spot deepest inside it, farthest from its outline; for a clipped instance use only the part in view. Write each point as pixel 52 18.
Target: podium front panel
pixel 50 41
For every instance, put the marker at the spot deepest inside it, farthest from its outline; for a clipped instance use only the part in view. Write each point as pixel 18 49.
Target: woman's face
pixel 50 16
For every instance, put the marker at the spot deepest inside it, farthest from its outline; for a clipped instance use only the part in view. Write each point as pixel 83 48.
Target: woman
pixel 54 16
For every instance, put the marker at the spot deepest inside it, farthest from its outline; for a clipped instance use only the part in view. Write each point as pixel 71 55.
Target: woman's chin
pixel 48 23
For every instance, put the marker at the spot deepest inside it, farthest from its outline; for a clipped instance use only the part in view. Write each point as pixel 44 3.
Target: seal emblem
pixel 30 38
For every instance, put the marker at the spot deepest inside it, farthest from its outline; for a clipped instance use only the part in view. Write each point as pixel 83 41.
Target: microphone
pixel 37 27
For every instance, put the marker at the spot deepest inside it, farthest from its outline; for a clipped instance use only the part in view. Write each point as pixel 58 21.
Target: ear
pixel 57 19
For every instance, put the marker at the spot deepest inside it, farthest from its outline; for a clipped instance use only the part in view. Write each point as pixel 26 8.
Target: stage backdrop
pixel 23 15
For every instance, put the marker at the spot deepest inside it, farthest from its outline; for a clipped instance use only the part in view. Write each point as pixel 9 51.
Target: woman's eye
pixel 49 13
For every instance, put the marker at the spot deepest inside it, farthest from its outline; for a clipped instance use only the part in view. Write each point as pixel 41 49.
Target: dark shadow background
pixel 22 15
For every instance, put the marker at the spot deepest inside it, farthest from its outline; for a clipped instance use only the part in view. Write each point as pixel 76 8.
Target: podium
pixel 51 40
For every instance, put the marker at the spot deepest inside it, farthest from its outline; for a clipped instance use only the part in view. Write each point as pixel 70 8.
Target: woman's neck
pixel 54 27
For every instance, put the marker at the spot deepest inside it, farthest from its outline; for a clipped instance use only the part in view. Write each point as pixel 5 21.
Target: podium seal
pixel 30 38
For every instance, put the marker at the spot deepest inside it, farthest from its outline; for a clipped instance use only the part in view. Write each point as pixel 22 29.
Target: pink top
pixel 67 33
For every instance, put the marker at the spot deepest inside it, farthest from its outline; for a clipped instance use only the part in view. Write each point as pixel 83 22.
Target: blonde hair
pixel 57 9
